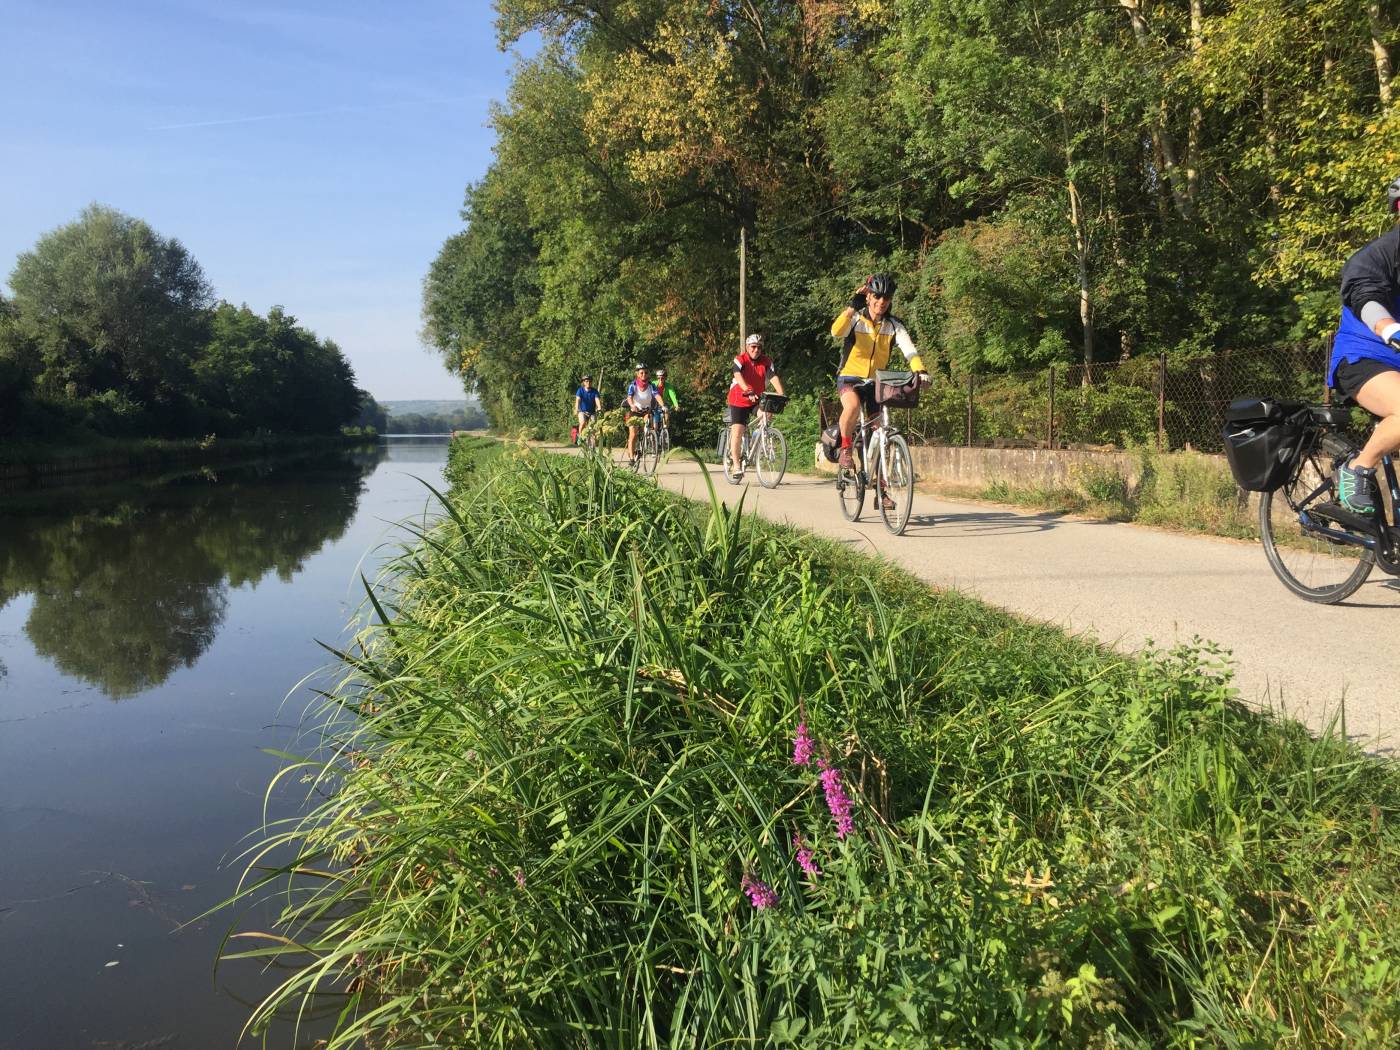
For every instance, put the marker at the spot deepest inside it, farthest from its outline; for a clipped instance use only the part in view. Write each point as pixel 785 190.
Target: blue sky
pixel 312 155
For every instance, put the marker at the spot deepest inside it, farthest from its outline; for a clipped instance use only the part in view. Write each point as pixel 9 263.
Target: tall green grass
pixel 566 750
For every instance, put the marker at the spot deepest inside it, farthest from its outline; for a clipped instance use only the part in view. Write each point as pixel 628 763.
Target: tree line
pixel 1051 181
pixel 112 329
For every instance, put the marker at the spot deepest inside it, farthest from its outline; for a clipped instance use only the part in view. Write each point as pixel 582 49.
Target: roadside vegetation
pixel 614 769
pixel 1178 490
pixel 1056 183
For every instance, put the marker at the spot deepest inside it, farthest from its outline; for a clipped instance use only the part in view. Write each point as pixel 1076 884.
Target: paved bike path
pixel 1128 586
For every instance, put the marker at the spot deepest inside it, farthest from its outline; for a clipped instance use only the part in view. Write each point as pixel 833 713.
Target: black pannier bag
pixel 1261 443
pixel 831 443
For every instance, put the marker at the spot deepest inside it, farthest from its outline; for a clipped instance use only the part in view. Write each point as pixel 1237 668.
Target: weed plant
pixel 566 803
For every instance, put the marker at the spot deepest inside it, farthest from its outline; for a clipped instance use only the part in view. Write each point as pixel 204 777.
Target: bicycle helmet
pixel 882 285
pixel 1393 194
pixel 586 379
pixel 661 373
pixel 754 340
pixel 640 367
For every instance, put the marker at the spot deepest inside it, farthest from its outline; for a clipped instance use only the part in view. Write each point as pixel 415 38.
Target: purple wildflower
pixel 760 893
pixel 836 798
pixel 806 859
pixel 802 746
pixel 520 878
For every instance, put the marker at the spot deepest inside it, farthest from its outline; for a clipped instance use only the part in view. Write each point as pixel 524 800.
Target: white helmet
pixel 754 340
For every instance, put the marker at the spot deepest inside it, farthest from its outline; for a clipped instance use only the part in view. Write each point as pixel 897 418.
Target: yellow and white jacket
pixel 868 349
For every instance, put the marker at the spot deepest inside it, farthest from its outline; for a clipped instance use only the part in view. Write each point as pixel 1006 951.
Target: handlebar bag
pixel 896 389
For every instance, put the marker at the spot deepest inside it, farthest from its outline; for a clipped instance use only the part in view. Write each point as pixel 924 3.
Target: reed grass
pixel 556 805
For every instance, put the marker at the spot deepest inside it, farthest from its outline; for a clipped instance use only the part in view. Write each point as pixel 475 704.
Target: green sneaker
pixel 1356 489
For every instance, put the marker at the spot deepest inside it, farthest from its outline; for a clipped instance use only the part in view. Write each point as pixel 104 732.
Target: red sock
pixel 845 441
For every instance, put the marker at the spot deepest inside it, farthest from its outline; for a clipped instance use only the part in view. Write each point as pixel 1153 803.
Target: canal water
pixel 152 642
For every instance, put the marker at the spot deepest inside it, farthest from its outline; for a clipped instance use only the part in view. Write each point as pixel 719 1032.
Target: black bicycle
pixel 1289 452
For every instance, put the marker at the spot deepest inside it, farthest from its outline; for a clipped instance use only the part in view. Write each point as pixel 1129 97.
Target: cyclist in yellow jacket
pixel 868 330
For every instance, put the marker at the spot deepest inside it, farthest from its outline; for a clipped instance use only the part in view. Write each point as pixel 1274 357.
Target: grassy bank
pixel 1178 490
pixel 558 804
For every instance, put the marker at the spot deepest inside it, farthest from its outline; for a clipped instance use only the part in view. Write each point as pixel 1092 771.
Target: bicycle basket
pixel 896 389
pixel 1261 445
pixel 773 403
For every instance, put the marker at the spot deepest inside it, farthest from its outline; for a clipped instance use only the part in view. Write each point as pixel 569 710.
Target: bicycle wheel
pixel 771 455
pixel 651 453
pixel 732 474
pixel 896 471
pixel 1313 567
pixel 850 490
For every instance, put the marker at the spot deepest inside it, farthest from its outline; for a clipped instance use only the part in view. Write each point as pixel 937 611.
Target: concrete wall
pixel 1030 467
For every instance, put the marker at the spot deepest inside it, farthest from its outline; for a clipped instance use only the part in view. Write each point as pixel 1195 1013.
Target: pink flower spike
pixel 520 878
pixel 837 800
pixel 803 746
pixel 760 894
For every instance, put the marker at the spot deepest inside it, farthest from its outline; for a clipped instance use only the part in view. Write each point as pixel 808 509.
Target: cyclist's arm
pixel 777 380
pixel 739 379
pixel 907 348
pixel 1371 284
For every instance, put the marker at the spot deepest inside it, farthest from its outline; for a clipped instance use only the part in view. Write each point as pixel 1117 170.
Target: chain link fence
pixel 1161 402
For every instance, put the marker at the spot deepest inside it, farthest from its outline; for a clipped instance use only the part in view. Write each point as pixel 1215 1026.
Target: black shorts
pixel 734 414
pixel 867 393
pixel 1351 376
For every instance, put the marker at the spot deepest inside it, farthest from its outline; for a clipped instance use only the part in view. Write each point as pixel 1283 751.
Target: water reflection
pixel 130 585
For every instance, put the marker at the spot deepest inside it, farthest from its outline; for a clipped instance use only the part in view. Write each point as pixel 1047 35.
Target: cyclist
pixel 753 371
pixel 1365 363
pixel 640 403
pixel 586 404
pixel 868 330
pixel 665 396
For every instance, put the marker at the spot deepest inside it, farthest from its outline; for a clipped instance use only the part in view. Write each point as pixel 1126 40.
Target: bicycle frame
pixel 874 433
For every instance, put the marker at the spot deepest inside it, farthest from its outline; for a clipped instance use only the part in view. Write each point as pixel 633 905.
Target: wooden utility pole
pixel 743 274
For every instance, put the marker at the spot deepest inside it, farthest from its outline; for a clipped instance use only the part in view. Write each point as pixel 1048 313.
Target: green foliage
pixel 552 767
pixel 111 331
pixel 1052 183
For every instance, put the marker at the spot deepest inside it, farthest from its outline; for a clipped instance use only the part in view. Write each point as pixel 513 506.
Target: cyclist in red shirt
pixel 753 371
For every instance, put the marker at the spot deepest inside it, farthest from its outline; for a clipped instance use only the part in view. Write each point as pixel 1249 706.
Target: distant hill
pixel 425 408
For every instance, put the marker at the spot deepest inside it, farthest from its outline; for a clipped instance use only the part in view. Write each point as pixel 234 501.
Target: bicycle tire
pixel 771 458
pixel 651 453
pixel 727 463
pixel 898 484
pixel 850 491
pixel 1312 567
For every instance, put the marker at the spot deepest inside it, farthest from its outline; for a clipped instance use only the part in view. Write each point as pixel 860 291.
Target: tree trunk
pixel 1266 102
pixel 1379 33
pixel 1193 133
pixel 1081 251
pixel 1161 136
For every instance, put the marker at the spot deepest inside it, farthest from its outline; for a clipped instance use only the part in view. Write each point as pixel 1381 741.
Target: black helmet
pixel 1393 193
pixel 881 284
pixel 586 379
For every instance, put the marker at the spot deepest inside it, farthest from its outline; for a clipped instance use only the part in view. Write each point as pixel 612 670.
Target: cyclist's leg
pixel 631 436
pixel 1380 396
pixel 1374 386
pixel 738 419
pixel 850 417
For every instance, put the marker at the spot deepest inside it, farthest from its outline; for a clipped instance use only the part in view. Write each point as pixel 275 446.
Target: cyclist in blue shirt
pixel 1365 363
pixel 586 403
